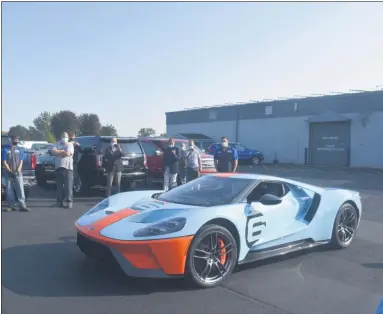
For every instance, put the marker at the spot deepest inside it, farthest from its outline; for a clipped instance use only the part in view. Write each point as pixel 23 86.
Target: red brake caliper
pixel 222 251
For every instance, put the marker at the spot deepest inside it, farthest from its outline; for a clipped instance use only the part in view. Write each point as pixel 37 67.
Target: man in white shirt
pixel 63 151
pixel 193 163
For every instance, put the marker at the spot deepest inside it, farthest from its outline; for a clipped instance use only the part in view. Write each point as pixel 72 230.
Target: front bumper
pixel 155 259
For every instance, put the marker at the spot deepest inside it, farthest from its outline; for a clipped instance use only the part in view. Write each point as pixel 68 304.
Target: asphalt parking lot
pixel 44 272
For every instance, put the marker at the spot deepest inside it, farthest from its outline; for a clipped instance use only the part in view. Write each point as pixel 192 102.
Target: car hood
pixel 125 214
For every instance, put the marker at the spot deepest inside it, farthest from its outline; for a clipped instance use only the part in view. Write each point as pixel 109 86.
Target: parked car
pixel 41 148
pixel 45 168
pixel 29 166
pixel 91 163
pixel 245 154
pixel 154 147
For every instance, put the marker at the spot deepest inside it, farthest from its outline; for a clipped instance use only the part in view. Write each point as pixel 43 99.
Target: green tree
pixel 89 124
pixel 64 121
pixel 43 123
pixel 34 134
pixel 108 130
pixel 146 132
pixel 21 131
pixel 163 134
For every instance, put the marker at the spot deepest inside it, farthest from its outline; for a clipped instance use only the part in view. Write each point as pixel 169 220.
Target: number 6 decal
pixel 255 226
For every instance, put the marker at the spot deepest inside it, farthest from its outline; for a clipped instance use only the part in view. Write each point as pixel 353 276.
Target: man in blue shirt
pixel 12 159
pixel 226 158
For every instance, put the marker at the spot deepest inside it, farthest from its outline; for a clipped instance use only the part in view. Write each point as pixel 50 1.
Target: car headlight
pixel 100 206
pixel 165 227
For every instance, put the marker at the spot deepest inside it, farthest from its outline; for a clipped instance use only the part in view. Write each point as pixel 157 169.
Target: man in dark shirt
pixel 226 158
pixel 170 164
pixel 113 165
pixel 12 158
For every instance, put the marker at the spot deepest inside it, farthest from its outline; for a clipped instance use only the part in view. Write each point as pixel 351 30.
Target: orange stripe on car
pixel 224 174
pixel 166 254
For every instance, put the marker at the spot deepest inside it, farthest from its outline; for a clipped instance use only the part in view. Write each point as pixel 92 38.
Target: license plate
pixel 125 162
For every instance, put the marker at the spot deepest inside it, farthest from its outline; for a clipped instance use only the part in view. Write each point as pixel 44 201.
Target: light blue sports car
pixel 203 229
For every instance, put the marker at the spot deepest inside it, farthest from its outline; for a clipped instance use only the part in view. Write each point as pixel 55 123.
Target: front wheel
pixel 212 256
pixel 345 225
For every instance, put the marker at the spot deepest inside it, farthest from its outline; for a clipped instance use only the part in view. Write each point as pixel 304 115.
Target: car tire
pixel 195 265
pixel 255 160
pixel 345 225
pixel 82 187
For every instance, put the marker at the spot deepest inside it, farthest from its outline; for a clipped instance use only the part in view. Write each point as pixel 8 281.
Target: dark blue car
pixel 252 156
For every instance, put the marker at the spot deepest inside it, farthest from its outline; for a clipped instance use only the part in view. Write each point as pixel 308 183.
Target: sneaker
pixel 9 209
pixel 24 209
pixel 57 204
pixel 68 206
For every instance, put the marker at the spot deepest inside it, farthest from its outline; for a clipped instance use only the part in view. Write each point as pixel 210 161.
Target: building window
pixel 212 114
pixel 268 110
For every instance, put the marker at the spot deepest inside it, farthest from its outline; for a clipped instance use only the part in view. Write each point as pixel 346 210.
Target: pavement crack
pixel 254 300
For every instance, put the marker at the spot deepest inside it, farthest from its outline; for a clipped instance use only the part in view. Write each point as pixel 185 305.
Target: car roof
pixel 261 177
pixel 159 138
pixel 109 137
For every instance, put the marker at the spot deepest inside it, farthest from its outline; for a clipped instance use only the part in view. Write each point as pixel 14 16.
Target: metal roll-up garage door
pixel 330 143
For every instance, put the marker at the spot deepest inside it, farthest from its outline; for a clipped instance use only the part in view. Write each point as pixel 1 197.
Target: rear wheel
pixel 255 160
pixel 345 224
pixel 212 256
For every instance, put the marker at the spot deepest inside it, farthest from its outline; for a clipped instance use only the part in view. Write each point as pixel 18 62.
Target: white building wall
pixel 367 141
pixel 281 138
pixel 287 138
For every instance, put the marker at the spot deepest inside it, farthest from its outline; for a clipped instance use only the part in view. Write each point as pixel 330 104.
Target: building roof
pixel 378 89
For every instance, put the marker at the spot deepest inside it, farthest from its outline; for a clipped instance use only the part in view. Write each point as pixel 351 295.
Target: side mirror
pixel 158 153
pixel 269 199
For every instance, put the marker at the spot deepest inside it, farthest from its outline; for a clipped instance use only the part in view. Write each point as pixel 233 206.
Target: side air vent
pixel 313 208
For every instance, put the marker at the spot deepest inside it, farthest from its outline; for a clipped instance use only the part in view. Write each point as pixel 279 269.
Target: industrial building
pixel 344 129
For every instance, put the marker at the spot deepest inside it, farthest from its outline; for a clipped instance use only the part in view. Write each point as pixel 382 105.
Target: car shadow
pixel 373 265
pixel 61 270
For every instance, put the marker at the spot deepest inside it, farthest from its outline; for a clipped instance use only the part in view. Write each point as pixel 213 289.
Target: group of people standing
pixel 186 162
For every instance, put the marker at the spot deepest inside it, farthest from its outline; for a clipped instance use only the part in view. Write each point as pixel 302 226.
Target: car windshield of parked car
pixel 128 147
pixel 206 191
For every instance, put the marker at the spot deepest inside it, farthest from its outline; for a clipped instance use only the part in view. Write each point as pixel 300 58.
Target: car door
pixel 243 152
pixel 153 159
pixel 268 222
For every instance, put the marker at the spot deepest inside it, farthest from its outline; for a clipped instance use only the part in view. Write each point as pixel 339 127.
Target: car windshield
pixel 206 191
pixel 128 146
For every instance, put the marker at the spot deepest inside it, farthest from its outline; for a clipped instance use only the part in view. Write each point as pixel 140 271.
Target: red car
pixel 154 146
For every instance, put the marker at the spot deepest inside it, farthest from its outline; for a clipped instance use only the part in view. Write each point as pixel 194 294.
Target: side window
pixel 273 188
pixel 149 148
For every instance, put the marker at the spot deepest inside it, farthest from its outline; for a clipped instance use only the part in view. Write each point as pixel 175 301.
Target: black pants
pixel 192 173
pixel 64 183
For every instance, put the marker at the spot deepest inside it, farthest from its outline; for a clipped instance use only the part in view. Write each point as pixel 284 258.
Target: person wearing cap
pixel 63 152
pixel 193 163
pixel 226 158
pixel 12 159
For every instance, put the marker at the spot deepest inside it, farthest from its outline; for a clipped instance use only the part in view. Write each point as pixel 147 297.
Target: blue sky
pixel 132 62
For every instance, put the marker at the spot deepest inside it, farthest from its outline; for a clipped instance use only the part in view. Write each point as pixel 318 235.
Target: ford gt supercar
pixel 201 230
